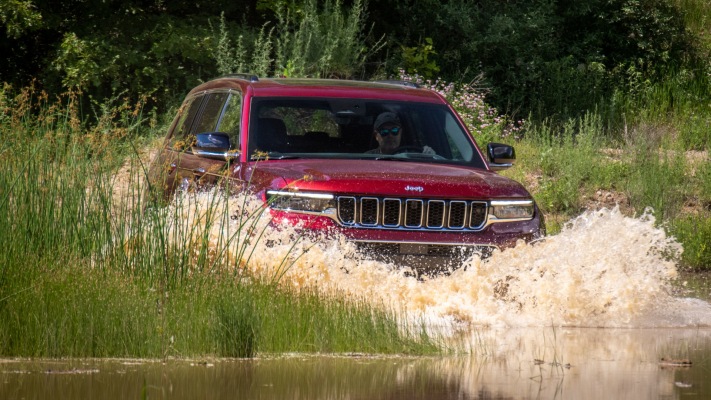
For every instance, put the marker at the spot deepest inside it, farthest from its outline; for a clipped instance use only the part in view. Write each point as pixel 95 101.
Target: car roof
pixel 333 88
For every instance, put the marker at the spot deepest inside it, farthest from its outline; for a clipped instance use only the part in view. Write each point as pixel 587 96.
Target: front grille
pixel 411 214
pixel 369 211
pixel 391 212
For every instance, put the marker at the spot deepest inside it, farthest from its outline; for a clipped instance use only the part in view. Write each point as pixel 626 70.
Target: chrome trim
pixel 415 214
pixel 216 155
pixel 499 167
pixel 341 219
pixel 485 221
pixel 453 244
pixel 442 216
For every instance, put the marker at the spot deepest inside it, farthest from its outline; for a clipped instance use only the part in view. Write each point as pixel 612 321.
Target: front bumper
pixel 499 235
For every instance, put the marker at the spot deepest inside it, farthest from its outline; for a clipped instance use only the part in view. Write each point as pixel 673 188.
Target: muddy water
pixel 597 311
pixel 530 363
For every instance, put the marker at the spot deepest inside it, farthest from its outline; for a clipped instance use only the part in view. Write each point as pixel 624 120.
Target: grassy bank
pixel 84 272
pixel 579 167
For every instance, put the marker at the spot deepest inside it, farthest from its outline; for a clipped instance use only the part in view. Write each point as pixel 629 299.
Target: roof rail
pixel 401 83
pixel 249 77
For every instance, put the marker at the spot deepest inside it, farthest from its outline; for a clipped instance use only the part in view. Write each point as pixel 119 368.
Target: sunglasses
pixel 392 131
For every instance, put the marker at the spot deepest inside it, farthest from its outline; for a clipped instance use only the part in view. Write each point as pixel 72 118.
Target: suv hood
pixel 387 178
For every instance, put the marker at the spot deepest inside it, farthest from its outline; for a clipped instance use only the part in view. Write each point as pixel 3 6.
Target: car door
pixel 180 166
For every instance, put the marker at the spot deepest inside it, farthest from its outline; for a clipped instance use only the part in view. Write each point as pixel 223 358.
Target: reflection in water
pixel 586 314
pixel 545 363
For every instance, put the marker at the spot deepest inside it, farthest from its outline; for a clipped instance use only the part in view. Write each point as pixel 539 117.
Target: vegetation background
pixel 608 103
pixel 631 75
pixel 589 89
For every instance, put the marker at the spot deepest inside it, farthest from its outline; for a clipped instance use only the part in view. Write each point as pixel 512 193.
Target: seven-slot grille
pixel 388 212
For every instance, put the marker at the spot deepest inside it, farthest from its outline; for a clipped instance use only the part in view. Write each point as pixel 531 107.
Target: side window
pixel 188 111
pixel 211 113
pixel 231 118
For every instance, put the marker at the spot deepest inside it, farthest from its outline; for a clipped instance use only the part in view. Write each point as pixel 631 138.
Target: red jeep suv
pixel 386 164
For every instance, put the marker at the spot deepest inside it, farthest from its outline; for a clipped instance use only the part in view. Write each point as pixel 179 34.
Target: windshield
pixel 356 128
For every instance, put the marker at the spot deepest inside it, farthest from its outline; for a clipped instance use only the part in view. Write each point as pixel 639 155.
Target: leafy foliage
pixel 18 17
pixel 546 57
pixel 101 48
pixel 418 60
pixel 321 42
pixel 538 59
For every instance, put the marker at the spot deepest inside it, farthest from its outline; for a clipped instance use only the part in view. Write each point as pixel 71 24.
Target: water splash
pixel 602 270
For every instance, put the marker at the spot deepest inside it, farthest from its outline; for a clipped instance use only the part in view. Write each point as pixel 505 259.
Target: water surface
pixel 566 363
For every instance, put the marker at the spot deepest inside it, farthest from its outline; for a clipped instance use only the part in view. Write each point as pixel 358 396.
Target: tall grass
pixel 577 165
pixel 323 41
pixel 569 161
pixel 85 272
pixel 576 169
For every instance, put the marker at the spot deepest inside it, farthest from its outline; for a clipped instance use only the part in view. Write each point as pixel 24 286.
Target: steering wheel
pixel 409 148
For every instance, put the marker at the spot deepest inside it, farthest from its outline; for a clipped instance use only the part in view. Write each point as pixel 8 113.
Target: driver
pixel 387 130
pixel 388 133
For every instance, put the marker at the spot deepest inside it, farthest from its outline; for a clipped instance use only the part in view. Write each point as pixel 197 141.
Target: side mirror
pixel 214 145
pixel 501 156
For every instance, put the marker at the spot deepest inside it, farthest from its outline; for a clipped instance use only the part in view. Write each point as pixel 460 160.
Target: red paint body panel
pixel 390 178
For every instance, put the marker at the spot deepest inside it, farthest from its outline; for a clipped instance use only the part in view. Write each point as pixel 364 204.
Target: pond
pixel 527 363
pixel 597 311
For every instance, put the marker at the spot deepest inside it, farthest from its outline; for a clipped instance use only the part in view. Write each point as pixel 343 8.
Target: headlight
pixel 301 202
pixel 512 209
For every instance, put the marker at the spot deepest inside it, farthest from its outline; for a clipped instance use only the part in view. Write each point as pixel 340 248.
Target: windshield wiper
pixel 273 155
pixel 425 156
pixel 408 157
pixel 389 157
